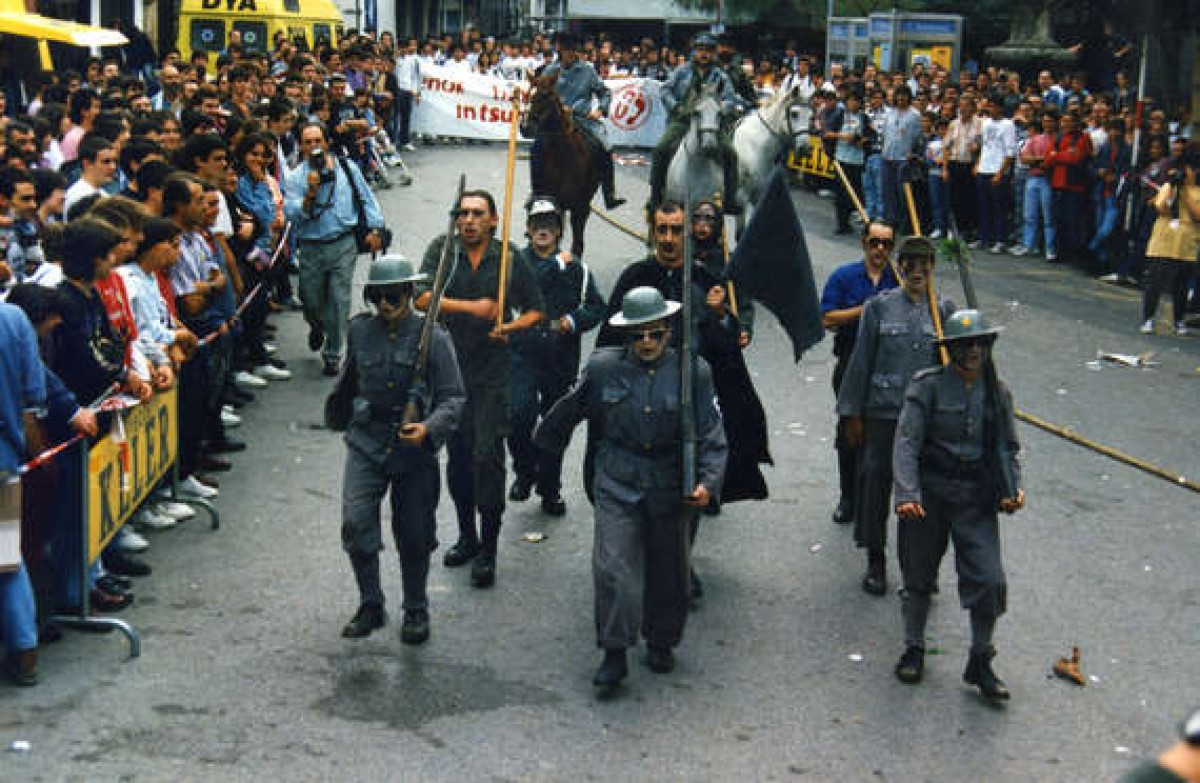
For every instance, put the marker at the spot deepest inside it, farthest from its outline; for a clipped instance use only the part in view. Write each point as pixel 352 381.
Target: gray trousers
pixel 962 512
pixel 414 497
pixel 874 484
pixel 640 567
pixel 326 272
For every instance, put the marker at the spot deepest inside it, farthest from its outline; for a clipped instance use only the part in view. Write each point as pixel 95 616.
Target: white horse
pixel 761 136
pixel 695 169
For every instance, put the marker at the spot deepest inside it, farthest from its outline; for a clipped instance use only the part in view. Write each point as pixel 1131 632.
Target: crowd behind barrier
pixel 143 232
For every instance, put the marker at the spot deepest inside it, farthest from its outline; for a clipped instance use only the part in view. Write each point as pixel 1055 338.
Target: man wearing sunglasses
pixel 384 453
pixel 842 300
pixel 469 308
pixel 631 398
pixel 955 427
pixel 895 339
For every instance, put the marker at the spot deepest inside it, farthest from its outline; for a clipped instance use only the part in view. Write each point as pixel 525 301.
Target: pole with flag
pixel 687 359
pixel 508 194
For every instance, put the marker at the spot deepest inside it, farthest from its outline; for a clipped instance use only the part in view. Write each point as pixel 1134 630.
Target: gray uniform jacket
pixel 375 382
pixel 947 433
pixel 895 339
pixel 576 87
pixel 634 409
pixel 679 91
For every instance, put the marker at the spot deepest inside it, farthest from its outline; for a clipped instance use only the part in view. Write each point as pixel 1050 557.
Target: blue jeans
pixel 18 611
pixel 1106 221
pixel 1038 208
pixel 1020 175
pixel 873 185
pixel 939 200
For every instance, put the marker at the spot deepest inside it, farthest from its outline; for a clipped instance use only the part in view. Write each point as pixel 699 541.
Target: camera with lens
pixel 316 161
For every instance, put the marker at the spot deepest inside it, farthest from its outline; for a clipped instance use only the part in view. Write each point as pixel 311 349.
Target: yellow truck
pixel 205 25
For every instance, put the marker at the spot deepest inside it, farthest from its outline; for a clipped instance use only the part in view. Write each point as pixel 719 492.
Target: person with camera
pixel 323 197
pixel 1174 241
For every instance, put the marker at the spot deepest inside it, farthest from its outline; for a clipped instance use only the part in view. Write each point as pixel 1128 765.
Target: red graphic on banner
pixel 630 107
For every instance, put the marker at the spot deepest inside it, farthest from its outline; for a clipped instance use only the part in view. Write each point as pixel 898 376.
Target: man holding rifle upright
pixel 388 355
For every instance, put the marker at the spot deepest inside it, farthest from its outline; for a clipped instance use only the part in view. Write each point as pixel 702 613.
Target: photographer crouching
pixel 324 198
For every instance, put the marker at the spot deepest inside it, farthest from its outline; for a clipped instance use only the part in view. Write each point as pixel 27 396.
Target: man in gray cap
pixel 895 339
pixel 631 398
pixel 385 451
pixel 587 97
pixel 955 466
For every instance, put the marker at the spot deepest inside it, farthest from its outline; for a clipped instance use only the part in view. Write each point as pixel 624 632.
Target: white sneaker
pixel 936 234
pixel 409 148
pixel 129 541
pixel 1052 258
pixel 249 380
pixel 230 419
pixel 192 488
pixel 1148 327
pixel 997 249
pixel 145 519
pixel 176 511
pixel 1018 251
pixel 974 244
pixel 1181 329
pixel 270 349
pixel 272 373
pixel 1111 277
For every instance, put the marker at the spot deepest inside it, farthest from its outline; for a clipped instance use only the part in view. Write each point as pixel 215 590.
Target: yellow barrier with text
pixel 121 475
pixel 812 161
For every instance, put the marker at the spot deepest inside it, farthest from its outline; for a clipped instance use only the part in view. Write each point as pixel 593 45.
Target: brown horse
pixel 560 164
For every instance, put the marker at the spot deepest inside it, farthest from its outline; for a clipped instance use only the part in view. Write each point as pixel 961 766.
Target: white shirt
pixel 77 192
pixel 998 140
pixel 408 73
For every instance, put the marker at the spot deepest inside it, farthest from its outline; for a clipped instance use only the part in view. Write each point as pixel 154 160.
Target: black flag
pixel 771 264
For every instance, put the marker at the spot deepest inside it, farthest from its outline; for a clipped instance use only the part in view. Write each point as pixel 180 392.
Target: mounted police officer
pixel 955 466
pixel 631 398
pixel 895 339
pixel 582 91
pixel 678 96
pixel 731 62
pixel 545 359
pixel 384 453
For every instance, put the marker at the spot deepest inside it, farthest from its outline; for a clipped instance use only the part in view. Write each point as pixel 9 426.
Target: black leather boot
pixel 366 619
pixel 875 580
pixel 613 669
pixel 979 673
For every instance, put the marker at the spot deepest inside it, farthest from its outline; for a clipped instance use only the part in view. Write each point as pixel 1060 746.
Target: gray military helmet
pixel 965 324
pixel 705 40
pixel 643 305
pixel 920 247
pixel 393 268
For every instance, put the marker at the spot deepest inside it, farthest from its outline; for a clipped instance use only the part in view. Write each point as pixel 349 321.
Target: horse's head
pixel 706 119
pixel 797 103
pixel 546 112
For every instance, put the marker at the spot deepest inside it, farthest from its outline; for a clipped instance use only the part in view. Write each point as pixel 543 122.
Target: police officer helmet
pixel 392 269
pixel 542 205
pixel 704 41
pixel 643 305
pixel 966 324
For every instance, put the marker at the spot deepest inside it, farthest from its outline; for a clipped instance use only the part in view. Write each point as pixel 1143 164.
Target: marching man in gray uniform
pixel 955 465
pixel 631 397
pixel 895 339
pixel 587 97
pixel 377 382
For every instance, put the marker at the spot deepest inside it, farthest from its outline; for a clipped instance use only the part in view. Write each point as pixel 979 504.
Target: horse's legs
pixel 579 219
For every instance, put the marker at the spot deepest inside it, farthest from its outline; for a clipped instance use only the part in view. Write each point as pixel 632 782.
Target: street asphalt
pixel 785 672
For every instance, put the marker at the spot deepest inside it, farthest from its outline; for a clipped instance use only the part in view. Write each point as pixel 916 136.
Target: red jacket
pixel 116 304
pixel 1069 160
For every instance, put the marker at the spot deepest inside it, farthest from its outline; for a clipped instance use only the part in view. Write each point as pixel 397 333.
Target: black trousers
pixel 964 202
pixel 844 205
pixel 874 484
pixel 404 110
pixel 847 456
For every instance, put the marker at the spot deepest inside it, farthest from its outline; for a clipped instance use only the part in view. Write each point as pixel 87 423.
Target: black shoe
pixel 316 337
pixel 979 673
pixel 612 670
pixel 331 369
pixel 483 570
pixel 911 666
pixel 843 514
pixel 108 602
pixel 226 446
pixel 520 489
pixel 695 586
pixel 415 629
pixel 460 554
pixel 875 580
pixel 110 584
pixel 660 659
pixel 278 364
pixel 125 564
pixel 612 201
pixel 555 506
pixel 366 619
